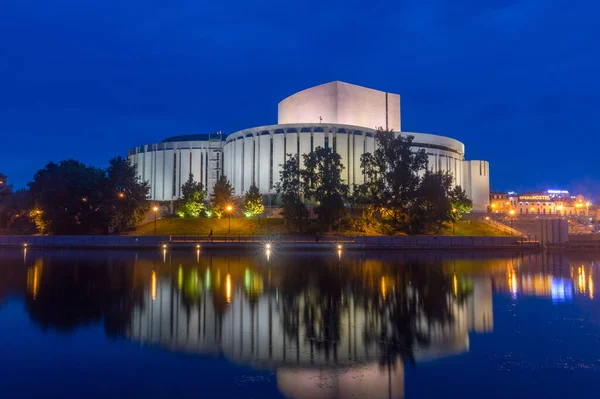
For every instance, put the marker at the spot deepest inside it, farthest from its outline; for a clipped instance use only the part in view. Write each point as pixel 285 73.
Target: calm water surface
pixel 334 325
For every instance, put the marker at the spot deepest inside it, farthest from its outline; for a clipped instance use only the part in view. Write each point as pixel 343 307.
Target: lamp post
pixel 155 209
pixel 453 217
pixel 587 208
pixel 229 208
pixel 512 217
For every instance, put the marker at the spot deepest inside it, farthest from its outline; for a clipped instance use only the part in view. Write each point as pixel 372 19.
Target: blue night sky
pixel 516 81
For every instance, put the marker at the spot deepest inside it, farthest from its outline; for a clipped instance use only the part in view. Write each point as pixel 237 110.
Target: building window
pixel 271 164
pixel 334 143
pixel 201 166
pixel 253 162
pixel 174 174
pixel 326 142
pixel 311 143
pixel 190 169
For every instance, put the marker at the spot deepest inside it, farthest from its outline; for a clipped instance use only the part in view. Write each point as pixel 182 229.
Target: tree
pixel 68 197
pixel 191 203
pixel 322 182
pixel 253 205
pixel 432 207
pixel 391 178
pixel 126 196
pixel 460 203
pixel 289 188
pixel 221 196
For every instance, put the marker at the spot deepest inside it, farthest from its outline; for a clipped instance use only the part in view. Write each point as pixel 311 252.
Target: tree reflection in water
pixel 305 312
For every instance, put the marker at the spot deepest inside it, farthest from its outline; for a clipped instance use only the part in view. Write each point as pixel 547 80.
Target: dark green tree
pixel 191 203
pixel 221 196
pixel 322 182
pixel 126 196
pixel 253 205
pixel 432 207
pixel 391 179
pixel 461 204
pixel 69 197
pixel 289 188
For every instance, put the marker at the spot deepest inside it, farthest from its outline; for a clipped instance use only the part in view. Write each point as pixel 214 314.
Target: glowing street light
pixel 512 216
pixel 155 209
pixel 121 195
pixel 229 209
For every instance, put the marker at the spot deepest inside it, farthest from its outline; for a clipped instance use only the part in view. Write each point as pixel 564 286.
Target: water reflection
pixel 329 326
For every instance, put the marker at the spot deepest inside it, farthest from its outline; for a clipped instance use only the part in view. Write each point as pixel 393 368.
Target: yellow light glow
pixel 229 208
pixel 512 212
pixel 155 209
pixel 339 254
pixel 153 285
pixel 339 246
pixel 487 218
pixel 533 209
pixel 455 285
pixel 25 245
pixel 228 287
pixel 267 246
pixel 493 205
pixel 581 279
pixel 164 246
pixel 197 246
pixel 591 286
pixel 587 204
pixel 268 253
pixel 383 288
pixel 507 203
pixel 121 195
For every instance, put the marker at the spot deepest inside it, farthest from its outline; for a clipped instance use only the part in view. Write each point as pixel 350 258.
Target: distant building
pixel 336 115
pixel 539 203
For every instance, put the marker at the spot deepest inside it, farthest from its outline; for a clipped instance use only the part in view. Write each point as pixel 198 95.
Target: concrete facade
pixel 334 115
pixel 344 104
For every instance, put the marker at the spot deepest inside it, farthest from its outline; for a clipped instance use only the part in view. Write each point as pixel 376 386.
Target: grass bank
pixel 244 226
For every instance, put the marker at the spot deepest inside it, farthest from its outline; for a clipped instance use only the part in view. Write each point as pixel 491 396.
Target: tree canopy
pixel 191 203
pixel 253 205
pixel 221 196
pixel 322 182
pixel 289 188
pixel 72 198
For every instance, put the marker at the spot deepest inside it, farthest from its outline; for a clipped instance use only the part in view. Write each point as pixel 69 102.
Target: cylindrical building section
pixel 167 165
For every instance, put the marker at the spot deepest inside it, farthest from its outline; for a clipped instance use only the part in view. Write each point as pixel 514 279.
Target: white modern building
pixel 334 115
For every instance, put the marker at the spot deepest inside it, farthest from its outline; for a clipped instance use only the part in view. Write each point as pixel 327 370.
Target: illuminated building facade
pixel 336 115
pixel 540 203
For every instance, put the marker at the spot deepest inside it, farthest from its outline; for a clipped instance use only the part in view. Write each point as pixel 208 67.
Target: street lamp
pixel 512 216
pixel 155 209
pixel 454 212
pixel 121 195
pixel 229 208
pixel 587 208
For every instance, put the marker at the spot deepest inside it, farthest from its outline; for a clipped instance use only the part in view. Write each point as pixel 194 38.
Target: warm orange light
pixel 121 195
pixel 508 203
pixel 153 285
pixel 228 287
pixel 229 208
pixel 155 209
pixel 532 209
pixel 383 288
pixel 493 205
pixel 512 212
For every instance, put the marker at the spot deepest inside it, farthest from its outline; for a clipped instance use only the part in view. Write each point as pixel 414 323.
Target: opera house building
pixel 336 115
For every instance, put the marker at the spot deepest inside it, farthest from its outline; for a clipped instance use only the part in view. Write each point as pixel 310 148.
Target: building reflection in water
pixel 329 327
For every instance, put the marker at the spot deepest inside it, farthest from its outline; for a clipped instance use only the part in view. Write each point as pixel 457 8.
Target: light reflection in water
pixel 293 312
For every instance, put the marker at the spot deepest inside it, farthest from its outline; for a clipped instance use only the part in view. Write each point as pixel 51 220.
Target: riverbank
pixel 248 227
pixel 303 243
